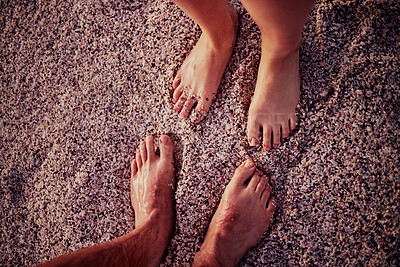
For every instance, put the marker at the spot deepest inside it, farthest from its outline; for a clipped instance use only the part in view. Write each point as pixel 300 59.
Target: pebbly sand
pixel 83 82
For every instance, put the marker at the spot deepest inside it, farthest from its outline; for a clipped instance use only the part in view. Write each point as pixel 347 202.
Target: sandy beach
pixel 83 82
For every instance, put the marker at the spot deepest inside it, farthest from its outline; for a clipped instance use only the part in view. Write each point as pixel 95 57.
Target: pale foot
pixel 275 99
pixel 243 215
pixel 152 179
pixel 198 79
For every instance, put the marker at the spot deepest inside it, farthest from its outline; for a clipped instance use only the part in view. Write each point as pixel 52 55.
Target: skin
pixel 277 93
pixel 198 79
pixel 235 227
pixel 152 177
pixel 233 230
pixel 272 111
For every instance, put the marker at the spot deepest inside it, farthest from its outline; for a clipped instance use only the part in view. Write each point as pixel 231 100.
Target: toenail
pixel 249 164
pixel 276 145
pixel 164 140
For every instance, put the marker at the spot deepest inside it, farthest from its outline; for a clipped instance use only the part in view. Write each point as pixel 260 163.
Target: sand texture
pixel 83 82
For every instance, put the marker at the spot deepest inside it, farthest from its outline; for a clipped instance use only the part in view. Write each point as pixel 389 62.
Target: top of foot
pixel 198 79
pixel 152 179
pixel 275 99
pixel 243 215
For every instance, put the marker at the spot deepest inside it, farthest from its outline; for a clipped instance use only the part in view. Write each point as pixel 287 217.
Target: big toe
pixel 244 172
pixel 253 132
pixel 176 81
pixel 166 147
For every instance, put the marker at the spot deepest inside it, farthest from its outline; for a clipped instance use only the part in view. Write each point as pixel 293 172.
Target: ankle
pixel 281 49
pixel 160 228
pixel 212 253
pixel 223 34
pixel 147 242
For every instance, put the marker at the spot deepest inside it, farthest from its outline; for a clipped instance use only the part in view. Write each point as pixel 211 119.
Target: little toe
pixel 187 107
pixel 271 207
pixel 261 185
pixel 177 93
pixel 166 148
pixel 150 147
pixel 179 104
pixel 139 160
pixel 134 167
pixel 293 122
pixel 143 151
pixel 255 179
pixel 267 131
pixel 253 131
pixel 276 136
pixel 244 172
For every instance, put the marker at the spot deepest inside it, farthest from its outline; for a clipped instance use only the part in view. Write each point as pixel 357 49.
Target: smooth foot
pixel 198 79
pixel 277 93
pixel 152 179
pixel 243 215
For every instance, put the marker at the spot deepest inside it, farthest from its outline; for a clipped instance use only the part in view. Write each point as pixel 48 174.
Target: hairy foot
pixel 277 94
pixel 198 79
pixel 152 179
pixel 243 215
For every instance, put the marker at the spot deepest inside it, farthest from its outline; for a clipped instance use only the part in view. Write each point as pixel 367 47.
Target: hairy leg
pixel 198 79
pixel 152 177
pixel 277 93
pixel 243 215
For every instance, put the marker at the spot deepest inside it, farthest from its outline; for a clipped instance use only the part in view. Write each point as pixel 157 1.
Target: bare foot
pixel 242 217
pixel 152 179
pixel 277 94
pixel 198 79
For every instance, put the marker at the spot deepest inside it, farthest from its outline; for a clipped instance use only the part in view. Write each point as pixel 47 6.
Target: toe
pixel 166 148
pixel 276 135
pixel 134 167
pixel 244 172
pixel 261 185
pixel 139 160
pixel 285 131
pixel 267 131
pixel 253 131
pixel 271 206
pixel 150 147
pixel 201 109
pixel 255 179
pixel 177 81
pixel 143 151
pixel 188 106
pixel 293 122
pixel 179 104
pixel 266 193
pixel 177 93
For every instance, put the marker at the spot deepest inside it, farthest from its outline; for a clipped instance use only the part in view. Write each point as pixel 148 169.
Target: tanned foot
pixel 198 79
pixel 152 179
pixel 242 217
pixel 277 94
